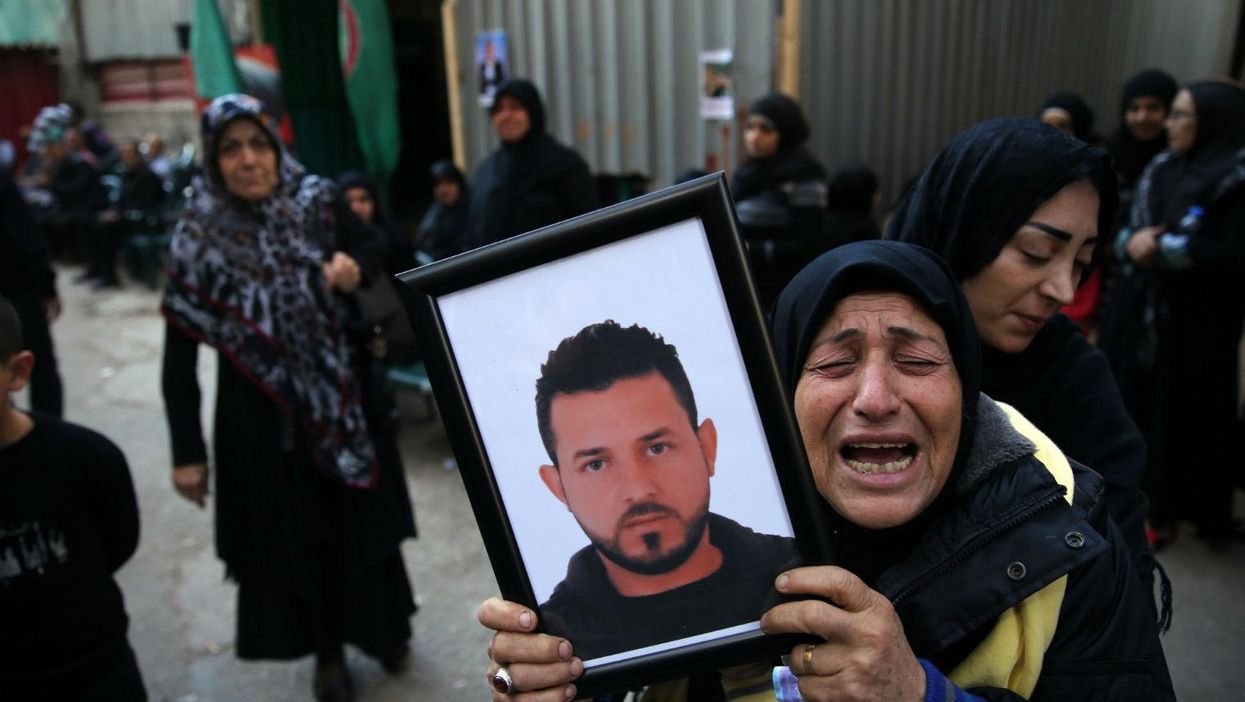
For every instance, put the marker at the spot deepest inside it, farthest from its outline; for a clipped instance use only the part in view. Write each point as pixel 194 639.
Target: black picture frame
pixel 708 200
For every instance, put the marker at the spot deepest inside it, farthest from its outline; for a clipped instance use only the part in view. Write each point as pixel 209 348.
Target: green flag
pixel 371 84
pixel 211 53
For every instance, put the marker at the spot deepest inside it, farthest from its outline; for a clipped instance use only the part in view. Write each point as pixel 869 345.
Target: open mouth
pixel 869 457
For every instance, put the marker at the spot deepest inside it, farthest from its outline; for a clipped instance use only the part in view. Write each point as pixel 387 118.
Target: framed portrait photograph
pixel 622 433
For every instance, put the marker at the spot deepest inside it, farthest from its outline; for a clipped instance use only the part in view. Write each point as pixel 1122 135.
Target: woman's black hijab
pixel 359 179
pixel 1130 153
pixel 1197 177
pixel 988 180
pixel 882 266
pixel 792 162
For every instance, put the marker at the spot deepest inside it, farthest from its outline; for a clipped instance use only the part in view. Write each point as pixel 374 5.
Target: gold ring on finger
pixel 808 657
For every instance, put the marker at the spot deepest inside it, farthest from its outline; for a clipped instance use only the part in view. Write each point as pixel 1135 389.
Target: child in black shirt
pixel 68 521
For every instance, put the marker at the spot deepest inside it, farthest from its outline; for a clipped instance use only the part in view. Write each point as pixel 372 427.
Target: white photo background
pixel 502 331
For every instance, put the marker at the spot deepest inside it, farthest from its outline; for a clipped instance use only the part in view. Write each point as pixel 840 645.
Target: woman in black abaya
pixel 780 194
pixel 311 500
pixel 1178 320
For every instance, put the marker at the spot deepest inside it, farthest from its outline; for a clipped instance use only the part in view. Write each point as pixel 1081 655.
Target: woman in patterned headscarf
pixel 311 500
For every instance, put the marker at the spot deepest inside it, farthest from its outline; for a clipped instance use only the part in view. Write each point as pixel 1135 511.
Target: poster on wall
pixel 717 92
pixel 492 63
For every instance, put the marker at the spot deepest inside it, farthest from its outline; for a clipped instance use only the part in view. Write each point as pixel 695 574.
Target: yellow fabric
pixel 749 683
pixel 669 691
pixel 1011 655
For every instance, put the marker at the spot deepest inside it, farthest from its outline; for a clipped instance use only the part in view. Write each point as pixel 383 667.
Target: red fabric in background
pixel 1085 303
pixel 28 83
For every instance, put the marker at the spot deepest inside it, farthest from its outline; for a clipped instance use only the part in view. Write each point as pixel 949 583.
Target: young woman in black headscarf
pixel 1019 211
pixel 440 232
pixel 971 553
pixel 1141 135
pixel 359 192
pixel 1139 138
pixel 1178 319
pixel 311 501
pixel 531 180
pixel 383 316
pixel 780 194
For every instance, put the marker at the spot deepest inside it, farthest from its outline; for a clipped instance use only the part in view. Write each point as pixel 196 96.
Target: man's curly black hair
pixel 600 355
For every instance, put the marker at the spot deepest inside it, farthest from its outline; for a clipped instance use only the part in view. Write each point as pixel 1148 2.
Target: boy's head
pixel 15 361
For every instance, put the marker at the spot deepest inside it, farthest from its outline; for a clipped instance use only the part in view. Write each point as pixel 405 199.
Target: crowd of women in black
pixel 1163 299
pixel 284 275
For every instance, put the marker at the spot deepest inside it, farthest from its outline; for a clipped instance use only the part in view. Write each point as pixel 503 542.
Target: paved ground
pixel 182 610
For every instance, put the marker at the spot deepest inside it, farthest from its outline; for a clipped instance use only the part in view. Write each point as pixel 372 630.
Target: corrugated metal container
pixel 143 29
pixel 620 77
pixel 889 81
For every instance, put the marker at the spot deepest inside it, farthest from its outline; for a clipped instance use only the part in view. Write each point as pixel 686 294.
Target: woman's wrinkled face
pixel 1182 123
pixel 361 203
pixel 1144 117
pixel 247 160
pixel 879 408
pixel 760 137
pixel 1037 271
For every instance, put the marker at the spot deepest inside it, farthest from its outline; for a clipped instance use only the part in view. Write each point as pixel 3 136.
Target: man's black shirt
pixel 598 621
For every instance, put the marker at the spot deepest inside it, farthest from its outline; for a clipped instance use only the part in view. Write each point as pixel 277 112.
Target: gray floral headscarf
pixel 246 278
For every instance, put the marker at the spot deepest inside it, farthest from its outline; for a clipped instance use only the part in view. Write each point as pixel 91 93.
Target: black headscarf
pixel 400 249
pixel 515 171
pixel 882 266
pixel 792 162
pixel 1079 110
pixel 1131 154
pixel 529 96
pixel 786 116
pixel 851 188
pixel 850 194
pixel 988 180
pixel 359 179
pixel 1217 148
pixel 446 170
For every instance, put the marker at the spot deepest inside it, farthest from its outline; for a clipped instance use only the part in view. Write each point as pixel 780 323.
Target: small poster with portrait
pixel 492 59
pixel 717 89
pixel 630 455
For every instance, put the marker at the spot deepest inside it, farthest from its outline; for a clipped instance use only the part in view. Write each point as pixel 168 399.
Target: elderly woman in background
pixel 973 556
pixel 1177 322
pixel 311 499
pixel 1019 211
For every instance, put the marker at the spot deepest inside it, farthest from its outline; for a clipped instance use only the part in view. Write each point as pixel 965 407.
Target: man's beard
pixel 654 561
